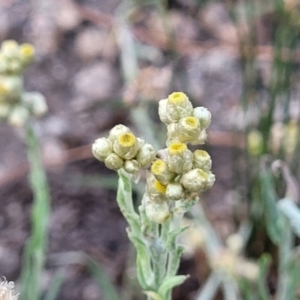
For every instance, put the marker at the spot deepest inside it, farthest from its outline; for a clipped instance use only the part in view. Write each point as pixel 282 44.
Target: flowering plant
pixel 177 176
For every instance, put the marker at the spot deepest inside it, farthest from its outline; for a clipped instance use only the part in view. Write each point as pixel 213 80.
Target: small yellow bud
pixel 26 52
pixel 175 191
pixel 177 148
pixel 157 212
pixel 202 160
pixel 255 143
pixel 188 129
pixel 10 89
pixel 126 139
pixel 177 98
pixel 126 145
pixel 155 190
pixel 160 188
pixel 177 106
pixel 161 172
pixel 114 162
pixel 116 131
pixel 179 159
pixel 102 148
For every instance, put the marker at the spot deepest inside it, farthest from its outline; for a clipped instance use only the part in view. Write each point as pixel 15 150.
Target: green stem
pixel 285 249
pixel 34 255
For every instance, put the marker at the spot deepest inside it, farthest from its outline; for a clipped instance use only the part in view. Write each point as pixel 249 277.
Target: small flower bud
pixel 102 148
pixel 200 139
pixel 175 191
pixel 194 180
pixel 161 172
pixel 114 162
pixel 156 190
pixel 36 103
pixel 126 145
pixel 9 49
pixel 10 89
pixel 132 166
pixel 157 212
pixel 26 53
pixel 145 155
pixel 210 181
pixel 188 129
pixel 255 143
pixel 162 111
pixel 203 115
pixel 18 116
pixel 178 106
pixel 202 160
pixel 116 131
pixel 180 158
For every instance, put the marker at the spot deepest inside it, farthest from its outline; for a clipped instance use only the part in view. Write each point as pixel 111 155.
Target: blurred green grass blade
pixel 210 287
pixel 94 181
pixel 109 291
pixel 292 212
pixel 270 212
pixel 34 253
pixel 55 286
pixel 264 265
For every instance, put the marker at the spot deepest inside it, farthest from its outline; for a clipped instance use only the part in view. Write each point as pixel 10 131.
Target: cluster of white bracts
pixel 16 105
pixel 121 149
pixel 184 123
pixel 179 173
pixel 7 290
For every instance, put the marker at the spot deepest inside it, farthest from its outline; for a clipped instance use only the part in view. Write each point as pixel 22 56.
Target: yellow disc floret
pixel 159 187
pixel 177 97
pixel 177 148
pixel 3 89
pixel 127 139
pixel 191 122
pixel 201 154
pixel 27 50
pixel 158 167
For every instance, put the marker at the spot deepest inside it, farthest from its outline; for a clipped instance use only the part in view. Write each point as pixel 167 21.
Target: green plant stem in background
pixel 35 249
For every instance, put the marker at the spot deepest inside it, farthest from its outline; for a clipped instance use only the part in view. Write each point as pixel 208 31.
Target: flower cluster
pixel 16 105
pixel 179 173
pixel 184 123
pixel 7 290
pixel 123 150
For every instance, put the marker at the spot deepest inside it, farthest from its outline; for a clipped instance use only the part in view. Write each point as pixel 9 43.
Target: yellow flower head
pixel 159 187
pixel 158 167
pixel 177 148
pixel 26 51
pixel 177 97
pixel 191 122
pixel 127 139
